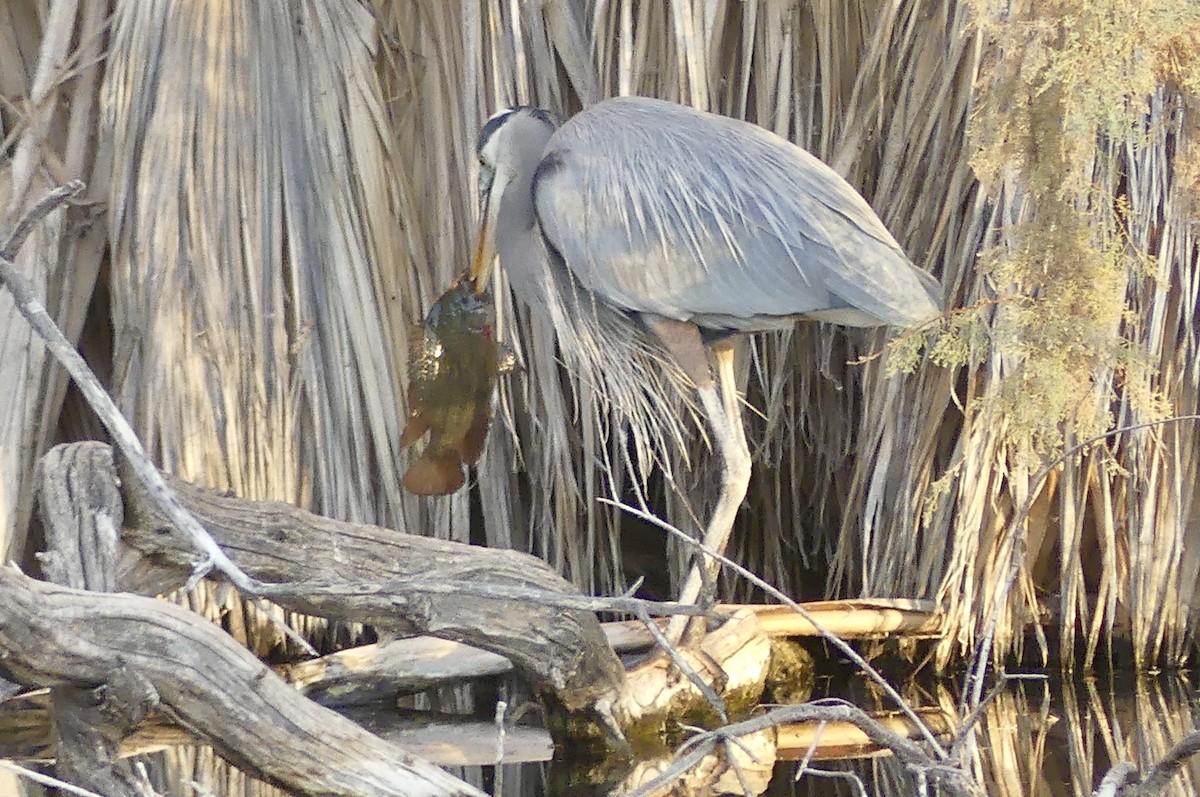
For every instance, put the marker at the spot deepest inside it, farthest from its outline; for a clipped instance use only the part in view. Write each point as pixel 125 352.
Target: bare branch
pixel 442 586
pixel 1161 773
pixel 1119 776
pixel 123 435
pixel 41 209
pixel 46 780
pixel 209 683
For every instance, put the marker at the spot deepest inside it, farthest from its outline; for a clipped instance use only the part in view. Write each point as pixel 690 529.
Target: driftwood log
pixel 112 658
pixel 564 654
pixel 212 686
pixel 158 654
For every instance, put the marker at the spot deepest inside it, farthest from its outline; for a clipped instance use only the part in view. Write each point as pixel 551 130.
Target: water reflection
pixel 1036 739
pixel 1046 739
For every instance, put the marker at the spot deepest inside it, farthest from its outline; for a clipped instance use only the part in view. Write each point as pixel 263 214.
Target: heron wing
pixel 659 208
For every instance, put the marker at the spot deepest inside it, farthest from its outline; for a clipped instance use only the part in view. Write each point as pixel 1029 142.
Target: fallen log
pixel 25 734
pixel 380 671
pixel 215 688
pixel 370 672
pixel 561 652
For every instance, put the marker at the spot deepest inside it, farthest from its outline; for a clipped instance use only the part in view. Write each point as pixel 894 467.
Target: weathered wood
pixel 733 658
pixel 562 651
pixel 80 508
pixel 382 670
pixel 369 673
pixel 52 635
pixel 744 766
pixel 839 739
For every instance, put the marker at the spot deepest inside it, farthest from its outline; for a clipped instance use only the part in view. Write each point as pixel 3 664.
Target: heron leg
pixel 723 410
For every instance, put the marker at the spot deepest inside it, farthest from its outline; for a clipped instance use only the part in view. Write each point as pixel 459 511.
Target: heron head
pixel 509 148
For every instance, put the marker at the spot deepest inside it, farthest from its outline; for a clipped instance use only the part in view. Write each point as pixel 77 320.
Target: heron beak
pixel 485 243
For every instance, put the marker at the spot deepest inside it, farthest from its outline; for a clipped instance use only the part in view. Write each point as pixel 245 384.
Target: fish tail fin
pixel 435 473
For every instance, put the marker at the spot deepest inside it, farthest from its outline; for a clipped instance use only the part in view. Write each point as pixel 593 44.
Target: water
pixel 1036 739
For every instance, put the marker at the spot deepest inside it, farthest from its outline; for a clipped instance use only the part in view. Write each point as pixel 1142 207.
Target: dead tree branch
pixel 341 570
pixel 1122 779
pixel 52 635
pixel 156 489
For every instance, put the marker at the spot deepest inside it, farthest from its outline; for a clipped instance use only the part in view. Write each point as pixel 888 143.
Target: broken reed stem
pixel 833 639
pixel 101 403
pixel 973 687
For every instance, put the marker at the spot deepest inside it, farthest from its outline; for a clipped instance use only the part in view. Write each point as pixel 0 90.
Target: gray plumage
pixel 640 228
pixel 658 208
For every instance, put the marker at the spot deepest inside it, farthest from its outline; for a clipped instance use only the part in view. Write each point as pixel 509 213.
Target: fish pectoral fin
pixel 435 473
pixel 471 446
pixel 414 430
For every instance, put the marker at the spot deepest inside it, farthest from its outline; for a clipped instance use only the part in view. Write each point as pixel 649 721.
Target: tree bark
pixel 51 635
pixel 564 652
pixel 80 508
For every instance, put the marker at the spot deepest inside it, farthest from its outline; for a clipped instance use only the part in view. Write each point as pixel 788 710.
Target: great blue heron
pixel 639 214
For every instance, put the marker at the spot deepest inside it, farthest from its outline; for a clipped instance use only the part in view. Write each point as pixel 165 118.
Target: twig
pixel 40 210
pixel 973 691
pixel 1120 776
pixel 826 634
pixel 730 742
pixel 840 775
pixel 977 711
pixel 811 751
pixel 1161 773
pixel 46 780
pixel 123 435
pixel 144 784
pixel 560 600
